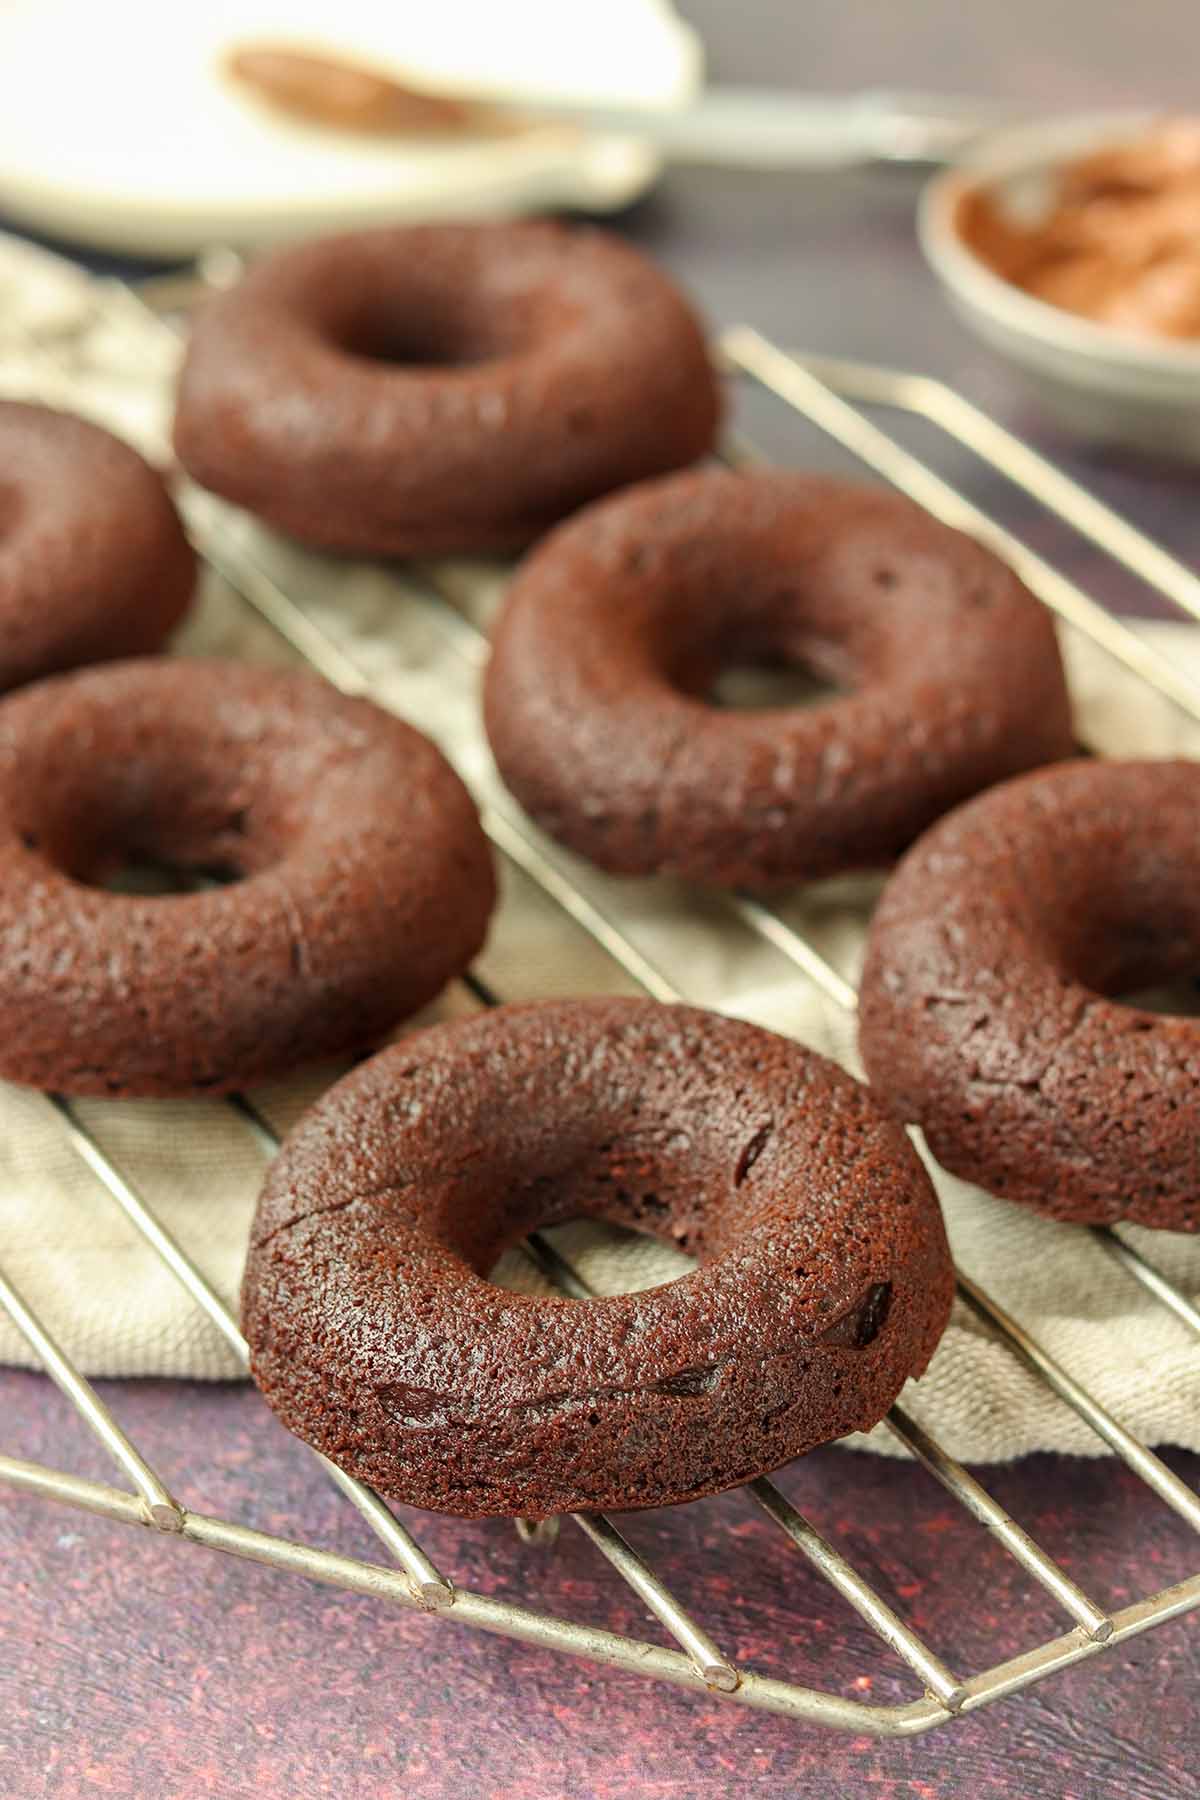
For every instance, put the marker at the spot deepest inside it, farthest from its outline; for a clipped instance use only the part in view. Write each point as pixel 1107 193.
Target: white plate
pixel 117 130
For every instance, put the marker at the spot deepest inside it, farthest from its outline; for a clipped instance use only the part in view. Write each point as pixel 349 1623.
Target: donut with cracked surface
pixel 824 1279
pixel 358 879
pixel 988 1013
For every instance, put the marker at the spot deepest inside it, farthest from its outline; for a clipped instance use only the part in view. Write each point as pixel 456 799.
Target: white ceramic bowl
pixel 1106 385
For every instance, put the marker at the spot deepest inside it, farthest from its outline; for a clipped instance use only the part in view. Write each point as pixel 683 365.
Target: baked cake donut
pixel 824 1278
pixel 989 1014
pixel 442 388
pixel 597 695
pixel 362 879
pixel 93 561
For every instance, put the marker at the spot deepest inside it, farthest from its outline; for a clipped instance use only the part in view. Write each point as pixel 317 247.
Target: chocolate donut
pixel 442 388
pixel 824 1278
pixel 597 696
pixel 988 1014
pixel 93 561
pixel 362 879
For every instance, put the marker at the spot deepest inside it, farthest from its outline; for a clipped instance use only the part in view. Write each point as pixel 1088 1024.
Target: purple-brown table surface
pixel 130 1666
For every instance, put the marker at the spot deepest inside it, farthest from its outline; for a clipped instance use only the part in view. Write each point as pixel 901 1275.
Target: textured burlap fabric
pixel 117 1310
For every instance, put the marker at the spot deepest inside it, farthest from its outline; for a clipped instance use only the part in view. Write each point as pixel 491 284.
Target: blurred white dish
pixel 1106 385
pixel 117 129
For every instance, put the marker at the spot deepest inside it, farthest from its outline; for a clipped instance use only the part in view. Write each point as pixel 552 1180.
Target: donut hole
pixel 114 863
pixel 683 1172
pixel 156 820
pixel 616 1259
pixel 174 853
pixel 770 685
pixel 149 877
pixel 429 336
pixel 1136 939
pixel 763 664
pixel 1178 998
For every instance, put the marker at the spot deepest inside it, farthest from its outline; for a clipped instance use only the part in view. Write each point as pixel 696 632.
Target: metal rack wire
pixel 822 391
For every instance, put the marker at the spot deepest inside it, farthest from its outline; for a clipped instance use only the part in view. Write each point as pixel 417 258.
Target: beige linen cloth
pixel 117 1310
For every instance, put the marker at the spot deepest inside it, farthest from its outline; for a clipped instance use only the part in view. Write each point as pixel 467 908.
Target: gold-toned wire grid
pixel 824 392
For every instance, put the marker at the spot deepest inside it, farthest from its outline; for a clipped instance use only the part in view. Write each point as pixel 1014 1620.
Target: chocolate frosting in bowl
pixel 1119 242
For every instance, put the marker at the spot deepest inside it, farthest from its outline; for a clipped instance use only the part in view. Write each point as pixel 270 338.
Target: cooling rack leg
pixel 160 1507
pixel 542 1532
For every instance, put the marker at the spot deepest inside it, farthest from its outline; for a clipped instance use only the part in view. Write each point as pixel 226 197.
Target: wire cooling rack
pixel 827 393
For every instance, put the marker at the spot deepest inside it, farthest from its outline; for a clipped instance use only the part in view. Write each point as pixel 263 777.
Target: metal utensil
pixel 756 128
pixel 775 129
